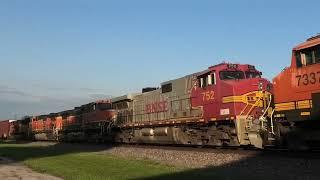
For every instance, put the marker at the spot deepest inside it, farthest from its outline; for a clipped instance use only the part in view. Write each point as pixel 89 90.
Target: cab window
pixel 231 75
pixel 317 55
pixel 207 80
pixel 308 57
pixel 250 75
pixel 104 106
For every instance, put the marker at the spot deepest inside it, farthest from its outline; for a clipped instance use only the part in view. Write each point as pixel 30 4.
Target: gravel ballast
pixel 233 163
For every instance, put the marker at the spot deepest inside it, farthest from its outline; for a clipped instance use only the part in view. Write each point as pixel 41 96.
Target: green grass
pixel 72 164
pixel 89 162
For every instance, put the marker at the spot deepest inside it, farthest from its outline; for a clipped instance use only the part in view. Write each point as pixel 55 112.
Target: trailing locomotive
pixel 225 105
pixel 297 96
pixel 91 121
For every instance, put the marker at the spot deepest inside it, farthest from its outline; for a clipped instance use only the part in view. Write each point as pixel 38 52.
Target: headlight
pixel 260 86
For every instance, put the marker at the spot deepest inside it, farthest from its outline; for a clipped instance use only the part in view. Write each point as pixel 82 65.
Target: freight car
pixel 6 129
pixel 225 105
pixel 14 129
pixel 297 97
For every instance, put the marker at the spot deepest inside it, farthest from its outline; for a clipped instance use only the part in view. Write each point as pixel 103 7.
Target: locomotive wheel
pixel 180 137
pixel 295 141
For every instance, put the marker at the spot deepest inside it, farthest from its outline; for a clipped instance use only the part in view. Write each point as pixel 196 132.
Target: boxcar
pixel 7 129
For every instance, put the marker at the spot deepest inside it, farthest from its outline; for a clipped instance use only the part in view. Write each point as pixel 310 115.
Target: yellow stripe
pixel 279 115
pixel 305 114
pixel 249 98
pixel 285 106
pixel 304 104
pixel 213 119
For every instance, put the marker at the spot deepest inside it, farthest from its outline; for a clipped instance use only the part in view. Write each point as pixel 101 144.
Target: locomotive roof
pixel 313 41
pixel 125 97
pixel 205 71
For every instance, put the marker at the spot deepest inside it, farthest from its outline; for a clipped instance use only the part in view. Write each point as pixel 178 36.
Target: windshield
pixel 104 106
pixel 250 75
pixel 231 75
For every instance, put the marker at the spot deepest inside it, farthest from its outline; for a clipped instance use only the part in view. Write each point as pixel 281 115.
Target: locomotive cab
pixel 235 93
pixel 302 79
pixel 297 94
pixel 230 87
pixel 308 63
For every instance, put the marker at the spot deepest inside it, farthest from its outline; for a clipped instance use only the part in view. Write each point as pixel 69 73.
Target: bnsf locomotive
pixel 297 96
pixel 224 105
pixel 91 121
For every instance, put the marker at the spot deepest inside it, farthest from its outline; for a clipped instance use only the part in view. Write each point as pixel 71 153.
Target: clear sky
pixel 57 54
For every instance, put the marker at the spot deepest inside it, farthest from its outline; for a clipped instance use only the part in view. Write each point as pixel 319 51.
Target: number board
pixel 308 79
pixel 208 96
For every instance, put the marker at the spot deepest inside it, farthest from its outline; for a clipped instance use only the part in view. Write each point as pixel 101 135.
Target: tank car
pixel 225 105
pixel 297 97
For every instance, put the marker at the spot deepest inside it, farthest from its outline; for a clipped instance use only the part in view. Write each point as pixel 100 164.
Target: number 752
pixel 208 95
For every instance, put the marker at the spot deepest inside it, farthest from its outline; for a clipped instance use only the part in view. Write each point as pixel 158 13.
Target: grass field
pixel 78 163
pixel 90 162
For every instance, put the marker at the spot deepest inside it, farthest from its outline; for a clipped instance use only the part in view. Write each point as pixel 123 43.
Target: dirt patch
pixel 10 170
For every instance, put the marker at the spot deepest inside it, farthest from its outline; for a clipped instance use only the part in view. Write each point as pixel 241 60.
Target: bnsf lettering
pixel 308 79
pixel 156 107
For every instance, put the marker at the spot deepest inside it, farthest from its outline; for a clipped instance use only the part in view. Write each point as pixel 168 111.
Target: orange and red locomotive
pixel 297 94
pixel 91 120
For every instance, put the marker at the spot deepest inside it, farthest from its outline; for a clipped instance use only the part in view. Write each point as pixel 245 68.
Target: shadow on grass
pixel 263 166
pixel 21 151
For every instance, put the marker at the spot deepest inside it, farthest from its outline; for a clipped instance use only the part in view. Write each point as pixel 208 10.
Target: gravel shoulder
pixel 230 163
pixel 180 157
pixel 189 163
pixel 10 170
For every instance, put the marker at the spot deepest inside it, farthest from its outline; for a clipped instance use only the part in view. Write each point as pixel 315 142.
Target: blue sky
pixel 57 54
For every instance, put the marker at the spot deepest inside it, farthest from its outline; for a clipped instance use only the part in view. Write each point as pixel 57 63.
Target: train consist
pixel 224 105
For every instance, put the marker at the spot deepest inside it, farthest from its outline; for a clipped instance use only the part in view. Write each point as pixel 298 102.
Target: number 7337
pixel 308 79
